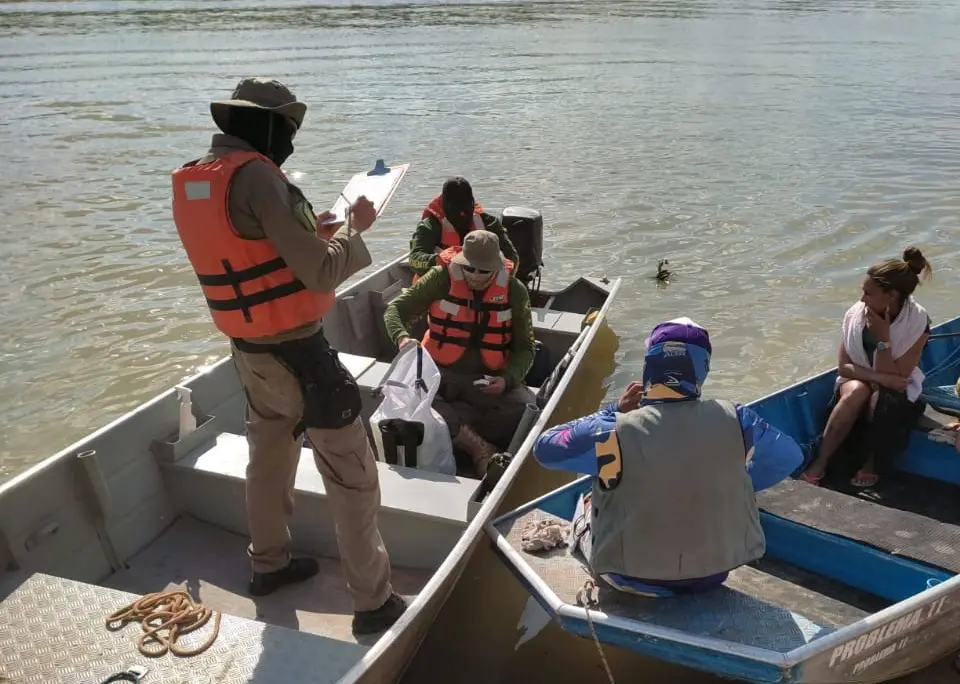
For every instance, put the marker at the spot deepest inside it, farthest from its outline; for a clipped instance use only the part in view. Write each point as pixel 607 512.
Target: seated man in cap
pixel 672 509
pixel 480 334
pixel 447 220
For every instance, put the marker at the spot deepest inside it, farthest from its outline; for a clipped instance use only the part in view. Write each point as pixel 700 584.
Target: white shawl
pixel 904 332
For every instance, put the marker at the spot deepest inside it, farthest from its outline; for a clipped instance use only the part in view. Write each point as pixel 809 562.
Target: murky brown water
pixel 770 149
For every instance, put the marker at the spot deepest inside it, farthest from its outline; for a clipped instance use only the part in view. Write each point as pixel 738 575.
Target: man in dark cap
pixel 447 220
pixel 663 454
pixel 268 270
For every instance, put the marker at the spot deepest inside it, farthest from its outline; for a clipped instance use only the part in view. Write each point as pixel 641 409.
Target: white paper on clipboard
pixel 377 185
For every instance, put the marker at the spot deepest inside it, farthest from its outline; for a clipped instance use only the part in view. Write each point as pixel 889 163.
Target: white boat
pixel 129 510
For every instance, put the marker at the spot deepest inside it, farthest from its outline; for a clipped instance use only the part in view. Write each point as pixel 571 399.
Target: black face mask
pixel 458 216
pixel 268 133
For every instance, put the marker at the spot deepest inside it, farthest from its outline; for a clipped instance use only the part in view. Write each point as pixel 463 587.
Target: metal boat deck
pixel 53 629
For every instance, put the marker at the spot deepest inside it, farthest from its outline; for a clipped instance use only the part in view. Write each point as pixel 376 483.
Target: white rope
pixel 585 599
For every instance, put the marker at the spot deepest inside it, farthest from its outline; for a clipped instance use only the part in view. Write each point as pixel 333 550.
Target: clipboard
pixel 378 185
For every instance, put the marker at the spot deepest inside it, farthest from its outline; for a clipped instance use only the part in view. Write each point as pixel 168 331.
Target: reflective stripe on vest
pixel 462 319
pixel 249 289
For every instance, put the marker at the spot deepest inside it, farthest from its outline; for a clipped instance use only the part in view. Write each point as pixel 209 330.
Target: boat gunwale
pixel 471 536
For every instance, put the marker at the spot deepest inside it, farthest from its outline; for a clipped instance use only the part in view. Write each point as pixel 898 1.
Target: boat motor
pixel 396 433
pixel 524 226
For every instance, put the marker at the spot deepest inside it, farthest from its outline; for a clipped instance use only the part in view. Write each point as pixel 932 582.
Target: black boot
pixel 373 621
pixel 297 570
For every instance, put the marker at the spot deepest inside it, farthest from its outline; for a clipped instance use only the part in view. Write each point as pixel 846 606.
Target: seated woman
pixel 876 399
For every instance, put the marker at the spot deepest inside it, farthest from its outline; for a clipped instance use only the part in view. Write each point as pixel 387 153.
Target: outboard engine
pixel 525 228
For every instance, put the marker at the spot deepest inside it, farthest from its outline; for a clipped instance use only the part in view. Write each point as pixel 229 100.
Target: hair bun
pixel 915 260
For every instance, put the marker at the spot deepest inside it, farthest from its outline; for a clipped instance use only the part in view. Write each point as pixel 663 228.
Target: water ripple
pixel 770 150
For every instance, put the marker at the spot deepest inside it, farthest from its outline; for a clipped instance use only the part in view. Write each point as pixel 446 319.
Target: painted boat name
pixel 880 655
pixel 885 632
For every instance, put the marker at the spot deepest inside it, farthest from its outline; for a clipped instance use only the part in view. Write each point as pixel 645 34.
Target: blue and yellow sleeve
pixel 771 455
pixel 586 445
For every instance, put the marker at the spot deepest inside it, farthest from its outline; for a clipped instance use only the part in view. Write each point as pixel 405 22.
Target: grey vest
pixel 683 506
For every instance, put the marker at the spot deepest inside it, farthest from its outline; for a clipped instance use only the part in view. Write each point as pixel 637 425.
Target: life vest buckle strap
pixel 246 302
pixel 231 277
pixel 492 346
pixel 235 284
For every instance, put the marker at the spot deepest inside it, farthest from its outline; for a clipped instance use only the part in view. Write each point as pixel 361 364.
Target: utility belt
pixel 331 397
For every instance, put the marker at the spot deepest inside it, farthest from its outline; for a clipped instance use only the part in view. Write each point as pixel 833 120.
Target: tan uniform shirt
pixel 263 204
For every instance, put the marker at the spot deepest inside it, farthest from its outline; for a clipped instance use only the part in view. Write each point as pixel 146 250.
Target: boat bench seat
pixel 402 490
pixel 895 531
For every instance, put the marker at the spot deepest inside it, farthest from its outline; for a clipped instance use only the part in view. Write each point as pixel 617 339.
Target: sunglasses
pixel 478 271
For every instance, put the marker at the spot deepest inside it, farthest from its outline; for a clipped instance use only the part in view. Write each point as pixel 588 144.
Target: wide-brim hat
pixel 481 250
pixel 260 93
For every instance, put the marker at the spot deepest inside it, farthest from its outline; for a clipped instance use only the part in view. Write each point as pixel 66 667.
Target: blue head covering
pixel 677 361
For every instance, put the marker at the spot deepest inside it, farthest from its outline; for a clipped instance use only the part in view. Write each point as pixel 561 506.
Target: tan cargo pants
pixel 346 463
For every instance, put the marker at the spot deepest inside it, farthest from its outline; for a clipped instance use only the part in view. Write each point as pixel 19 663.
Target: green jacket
pixel 434 285
pixel 426 239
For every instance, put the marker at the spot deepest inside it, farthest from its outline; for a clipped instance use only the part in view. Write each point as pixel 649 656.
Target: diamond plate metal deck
pixel 211 564
pixel 752 608
pixel 52 630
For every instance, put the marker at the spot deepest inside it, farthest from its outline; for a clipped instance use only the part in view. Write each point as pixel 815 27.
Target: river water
pixel 770 149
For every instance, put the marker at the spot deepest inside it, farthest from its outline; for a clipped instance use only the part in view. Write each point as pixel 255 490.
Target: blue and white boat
pixel 856 586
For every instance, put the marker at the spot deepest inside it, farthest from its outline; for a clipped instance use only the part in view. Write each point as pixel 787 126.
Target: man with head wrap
pixel 447 220
pixel 268 269
pixel 672 509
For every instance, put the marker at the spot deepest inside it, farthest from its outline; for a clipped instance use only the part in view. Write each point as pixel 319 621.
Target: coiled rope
pixel 164 617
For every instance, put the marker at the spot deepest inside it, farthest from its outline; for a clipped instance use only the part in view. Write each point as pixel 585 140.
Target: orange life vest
pixel 461 318
pixel 449 237
pixel 250 290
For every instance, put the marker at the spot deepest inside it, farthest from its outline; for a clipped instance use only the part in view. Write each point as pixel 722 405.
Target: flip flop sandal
pixel 810 478
pixel 864 480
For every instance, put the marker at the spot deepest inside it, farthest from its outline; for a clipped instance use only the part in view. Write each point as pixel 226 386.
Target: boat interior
pixel 133 509
pixel 835 555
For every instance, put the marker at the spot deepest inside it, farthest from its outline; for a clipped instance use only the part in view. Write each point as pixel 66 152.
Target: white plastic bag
pixel 409 388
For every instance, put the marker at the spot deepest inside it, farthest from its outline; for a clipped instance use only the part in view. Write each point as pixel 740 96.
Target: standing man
pixel 268 270
pixel 446 221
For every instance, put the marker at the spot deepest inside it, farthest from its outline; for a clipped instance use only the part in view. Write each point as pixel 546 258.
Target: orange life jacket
pixel 250 290
pixel 461 318
pixel 449 237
